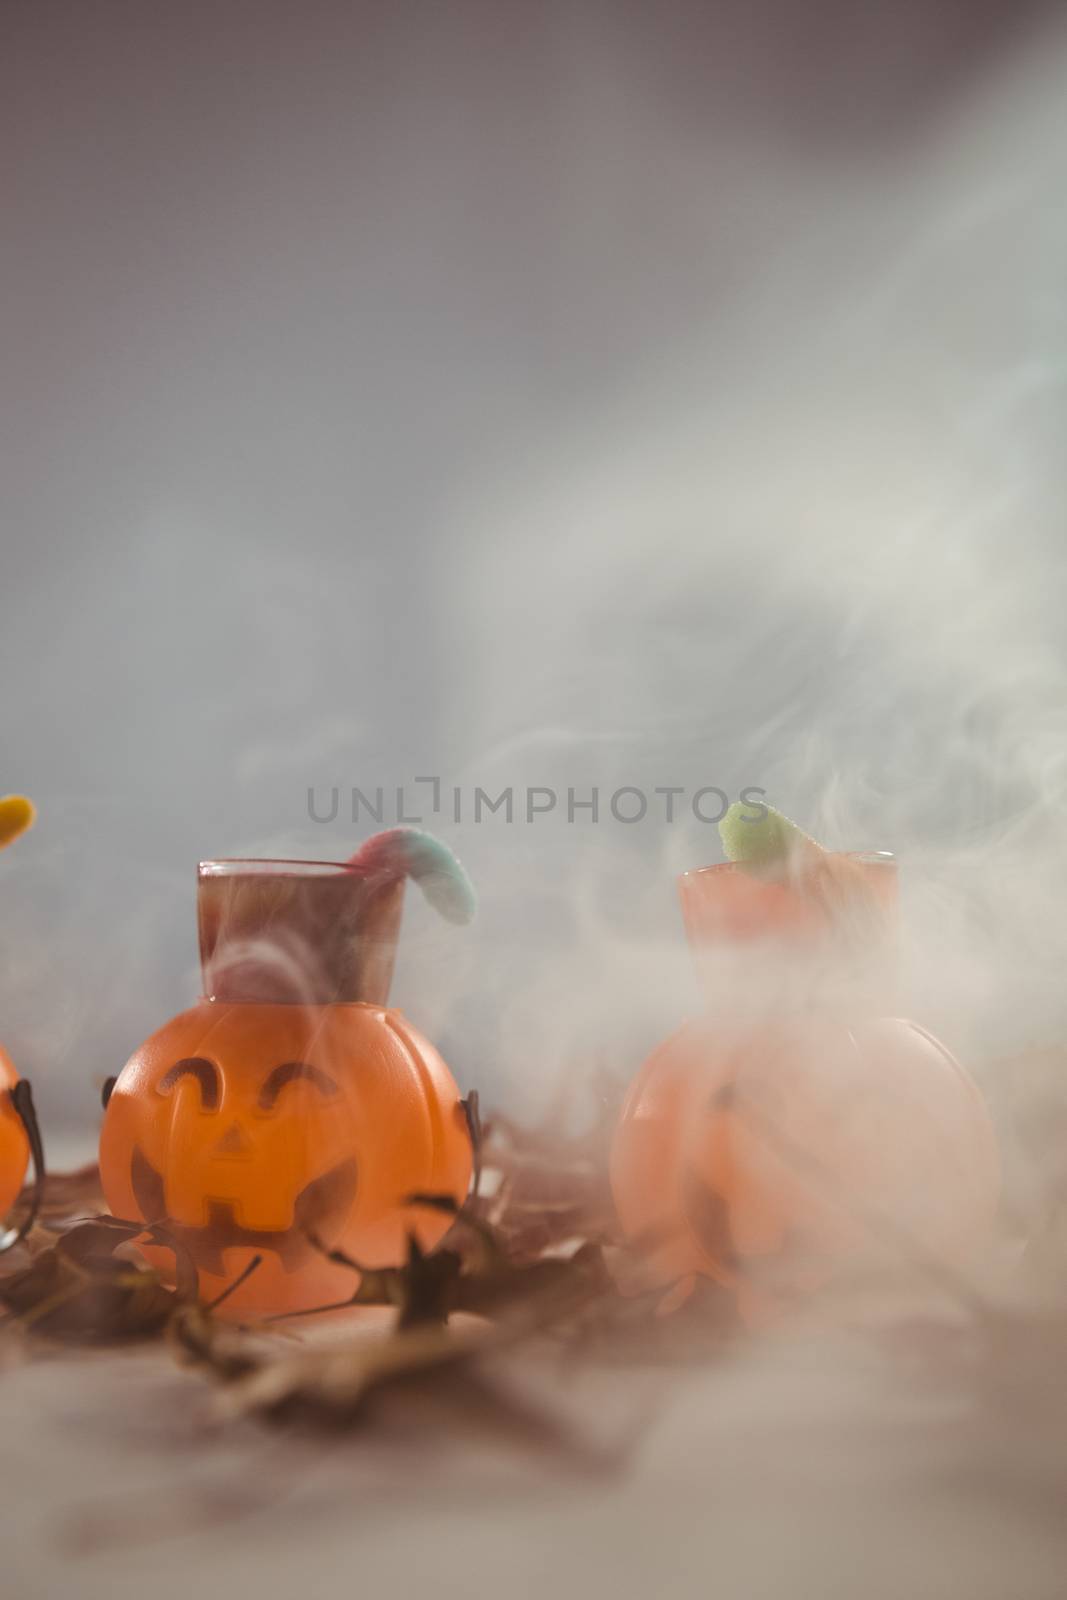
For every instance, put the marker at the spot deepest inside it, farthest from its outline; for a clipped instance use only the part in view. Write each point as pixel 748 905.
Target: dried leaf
pixel 550 1187
pixel 77 1288
pixel 426 1371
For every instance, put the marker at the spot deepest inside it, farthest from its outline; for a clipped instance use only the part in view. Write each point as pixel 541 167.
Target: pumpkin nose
pixel 234 1142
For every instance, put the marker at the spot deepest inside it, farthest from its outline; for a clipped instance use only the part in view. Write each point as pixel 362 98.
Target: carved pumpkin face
pixel 768 1165
pixel 14 1146
pixel 249 1126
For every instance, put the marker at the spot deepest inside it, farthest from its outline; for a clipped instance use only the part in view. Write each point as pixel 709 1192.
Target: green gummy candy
pixel 766 840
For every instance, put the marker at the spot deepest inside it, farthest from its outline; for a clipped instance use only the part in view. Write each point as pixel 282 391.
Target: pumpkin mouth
pixel 708 1214
pixel 799 1264
pixel 324 1199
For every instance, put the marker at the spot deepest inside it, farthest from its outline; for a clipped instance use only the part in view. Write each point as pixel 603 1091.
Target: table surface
pixel 798 1466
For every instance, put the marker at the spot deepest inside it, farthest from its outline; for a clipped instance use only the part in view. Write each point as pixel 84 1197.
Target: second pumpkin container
pixel 797 1126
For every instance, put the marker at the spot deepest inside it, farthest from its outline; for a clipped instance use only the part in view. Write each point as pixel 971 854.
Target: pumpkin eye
pixel 206 1074
pixel 289 1072
pixel 723 1099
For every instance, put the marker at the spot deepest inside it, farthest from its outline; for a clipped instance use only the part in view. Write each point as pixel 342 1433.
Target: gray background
pixel 551 393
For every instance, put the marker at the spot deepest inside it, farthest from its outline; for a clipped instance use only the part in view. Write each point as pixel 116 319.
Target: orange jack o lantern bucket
pixel 19 1137
pixel 794 1127
pixel 291 1110
pixel 14 1144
